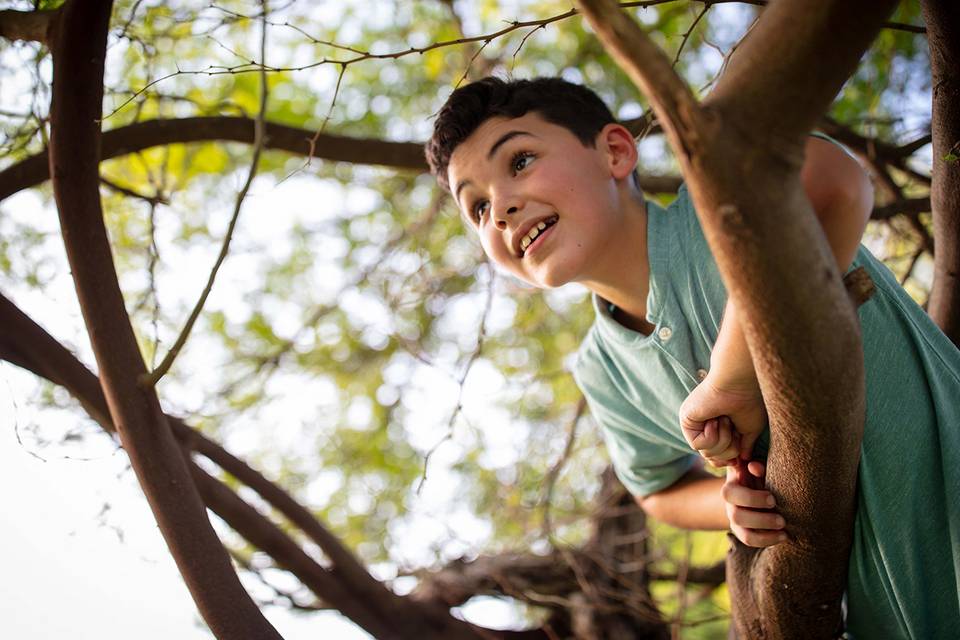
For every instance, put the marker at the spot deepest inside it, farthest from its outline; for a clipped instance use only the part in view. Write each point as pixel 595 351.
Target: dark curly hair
pixel 559 102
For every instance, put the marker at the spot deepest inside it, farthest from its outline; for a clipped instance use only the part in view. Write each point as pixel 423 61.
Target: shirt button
pixel 665 333
pixel 701 374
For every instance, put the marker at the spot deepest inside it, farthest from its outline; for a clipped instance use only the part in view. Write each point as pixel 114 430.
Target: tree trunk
pixel 943 35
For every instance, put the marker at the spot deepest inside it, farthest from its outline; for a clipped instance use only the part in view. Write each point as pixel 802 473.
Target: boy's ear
pixel 617 141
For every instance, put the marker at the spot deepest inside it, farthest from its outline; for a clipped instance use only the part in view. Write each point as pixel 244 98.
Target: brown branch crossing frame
pixel 34 170
pixel 78 44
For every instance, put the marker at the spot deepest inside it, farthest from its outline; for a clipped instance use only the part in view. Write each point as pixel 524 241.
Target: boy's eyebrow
pixel 504 138
pixel 509 135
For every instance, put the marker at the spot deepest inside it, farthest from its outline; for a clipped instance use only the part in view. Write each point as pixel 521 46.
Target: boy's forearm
pixel 731 366
pixel 693 502
pixel 842 199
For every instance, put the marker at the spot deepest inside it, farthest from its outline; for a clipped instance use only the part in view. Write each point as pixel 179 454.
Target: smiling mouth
pixel 535 232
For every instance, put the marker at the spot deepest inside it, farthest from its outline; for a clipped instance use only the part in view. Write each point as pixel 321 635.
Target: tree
pixel 422 258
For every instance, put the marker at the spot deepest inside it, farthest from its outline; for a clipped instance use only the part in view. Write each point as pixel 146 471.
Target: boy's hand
pixel 715 440
pixel 751 508
pixel 705 418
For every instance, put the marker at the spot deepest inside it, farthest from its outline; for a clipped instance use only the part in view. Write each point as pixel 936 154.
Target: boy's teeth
pixel 532 235
pixel 528 239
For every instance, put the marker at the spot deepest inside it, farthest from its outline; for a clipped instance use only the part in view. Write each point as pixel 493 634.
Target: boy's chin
pixel 545 281
pixel 540 278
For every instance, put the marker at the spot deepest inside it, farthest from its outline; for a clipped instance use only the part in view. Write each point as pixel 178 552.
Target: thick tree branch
pixel 943 24
pixel 78 45
pixel 263 534
pixel 748 195
pixel 151 133
pixel 30 347
pixel 772 83
pixel 118 142
pixel 907 206
pixel 27 25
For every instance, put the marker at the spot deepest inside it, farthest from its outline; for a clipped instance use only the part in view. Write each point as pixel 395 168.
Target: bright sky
pixel 66 574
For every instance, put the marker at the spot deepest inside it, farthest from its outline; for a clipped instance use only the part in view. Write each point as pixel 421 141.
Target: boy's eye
pixel 521 161
pixel 479 208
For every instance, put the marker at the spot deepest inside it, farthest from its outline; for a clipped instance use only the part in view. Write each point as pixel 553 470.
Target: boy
pixel 544 174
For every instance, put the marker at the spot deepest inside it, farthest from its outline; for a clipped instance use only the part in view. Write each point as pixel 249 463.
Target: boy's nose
pixel 502 220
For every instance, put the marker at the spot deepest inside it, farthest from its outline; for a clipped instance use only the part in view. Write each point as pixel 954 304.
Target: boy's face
pixel 543 204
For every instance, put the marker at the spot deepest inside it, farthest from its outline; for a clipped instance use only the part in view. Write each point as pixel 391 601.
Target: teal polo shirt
pixel 905 561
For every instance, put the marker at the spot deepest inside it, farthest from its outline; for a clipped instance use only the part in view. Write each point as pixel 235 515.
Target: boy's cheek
pixel 494 250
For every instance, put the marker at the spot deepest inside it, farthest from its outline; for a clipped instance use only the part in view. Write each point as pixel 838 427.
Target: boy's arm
pixel 692 502
pixel 842 199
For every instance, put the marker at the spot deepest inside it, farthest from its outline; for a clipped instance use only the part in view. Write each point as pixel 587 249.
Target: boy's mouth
pixel 534 232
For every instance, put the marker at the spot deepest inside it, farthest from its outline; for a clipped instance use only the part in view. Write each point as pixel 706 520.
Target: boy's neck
pixel 622 277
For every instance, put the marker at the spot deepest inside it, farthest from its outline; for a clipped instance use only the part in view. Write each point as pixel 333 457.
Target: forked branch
pixel 791 64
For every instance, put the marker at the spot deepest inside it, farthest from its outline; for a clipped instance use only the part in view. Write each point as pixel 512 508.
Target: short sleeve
pixel 644 458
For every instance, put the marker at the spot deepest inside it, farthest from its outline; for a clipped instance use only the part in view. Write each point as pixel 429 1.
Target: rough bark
pixel 34 170
pixel 943 33
pixel 78 44
pixel 741 152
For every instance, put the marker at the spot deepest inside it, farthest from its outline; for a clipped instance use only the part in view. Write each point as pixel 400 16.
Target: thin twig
pixel 523 41
pixel 481 336
pixel 470 63
pixel 151 379
pixel 16 419
pixel 157 198
pixel 326 118
pixel 686 36
pixel 552 475
pixel 360 55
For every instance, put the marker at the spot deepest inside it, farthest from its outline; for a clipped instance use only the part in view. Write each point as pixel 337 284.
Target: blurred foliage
pixel 357 339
